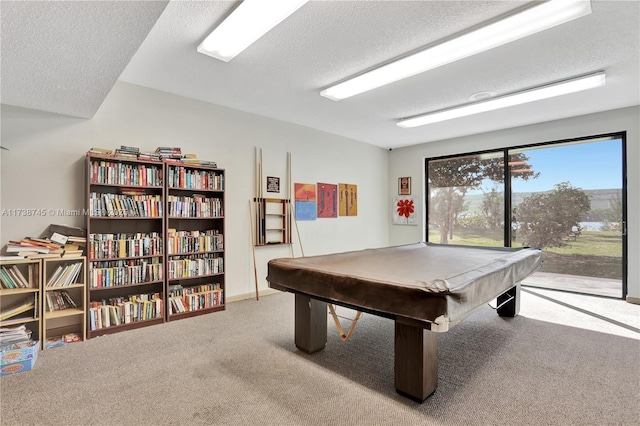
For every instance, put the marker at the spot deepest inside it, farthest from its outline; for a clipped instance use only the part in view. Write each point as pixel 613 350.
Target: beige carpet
pixel 566 360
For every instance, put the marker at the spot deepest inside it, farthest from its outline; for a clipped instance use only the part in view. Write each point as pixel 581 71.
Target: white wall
pixel 44 169
pixel 410 162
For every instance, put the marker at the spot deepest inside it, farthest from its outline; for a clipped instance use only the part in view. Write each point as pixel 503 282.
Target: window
pixel 566 197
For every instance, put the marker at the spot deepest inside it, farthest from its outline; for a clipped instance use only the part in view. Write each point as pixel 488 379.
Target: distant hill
pixel 599 201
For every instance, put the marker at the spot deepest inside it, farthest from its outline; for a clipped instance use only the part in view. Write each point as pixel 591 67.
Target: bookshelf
pixel 125 245
pixel 63 300
pixel 20 295
pixel 194 222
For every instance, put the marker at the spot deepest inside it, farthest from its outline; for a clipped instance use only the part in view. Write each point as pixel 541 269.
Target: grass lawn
pixel 593 254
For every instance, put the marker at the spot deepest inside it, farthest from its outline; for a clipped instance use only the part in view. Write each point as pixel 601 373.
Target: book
pixel 45 256
pixel 96 150
pixel 11 258
pixel 19 308
pixel 71 337
pixel 68 230
pixel 59 238
pixel 22 281
pixel 19 247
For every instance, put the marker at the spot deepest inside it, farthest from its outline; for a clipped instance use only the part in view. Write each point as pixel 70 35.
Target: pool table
pixel 425 288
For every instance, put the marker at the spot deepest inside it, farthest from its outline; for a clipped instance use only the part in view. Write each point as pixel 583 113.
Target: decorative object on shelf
pixel 404 186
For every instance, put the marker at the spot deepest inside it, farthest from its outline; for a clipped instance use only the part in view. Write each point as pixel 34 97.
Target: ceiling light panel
pixel 247 23
pixel 564 87
pixel 530 21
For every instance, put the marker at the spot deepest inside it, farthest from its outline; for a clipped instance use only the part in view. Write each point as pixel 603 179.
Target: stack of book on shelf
pixel 71 240
pixel 127 152
pixel 10 336
pixel 65 275
pixel 46 248
pixel 173 152
pixel 24 306
pixel 59 300
pixel 149 156
pixel 11 277
pixel 191 160
pixel 34 248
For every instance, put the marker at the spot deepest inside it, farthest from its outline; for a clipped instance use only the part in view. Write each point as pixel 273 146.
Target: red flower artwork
pixel 405 208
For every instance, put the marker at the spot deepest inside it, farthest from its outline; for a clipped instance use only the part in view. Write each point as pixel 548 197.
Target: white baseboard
pixel 238 297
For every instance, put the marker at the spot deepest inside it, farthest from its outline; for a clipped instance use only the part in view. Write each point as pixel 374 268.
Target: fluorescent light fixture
pixel 575 84
pixel 248 22
pixel 522 24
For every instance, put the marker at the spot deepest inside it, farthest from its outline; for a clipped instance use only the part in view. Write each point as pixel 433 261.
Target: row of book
pixel 59 300
pixel 114 173
pixel 178 290
pixel 195 206
pixel 124 205
pixel 195 266
pixel 121 275
pixel 181 177
pixel 194 241
pixel 26 307
pixel 195 301
pixel 117 311
pixel 65 275
pixel 11 277
pixel 107 246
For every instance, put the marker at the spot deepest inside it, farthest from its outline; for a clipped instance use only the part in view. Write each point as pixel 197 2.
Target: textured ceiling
pixel 281 75
pixel 65 56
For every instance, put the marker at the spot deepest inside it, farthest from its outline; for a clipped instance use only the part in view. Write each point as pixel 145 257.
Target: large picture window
pixel 566 197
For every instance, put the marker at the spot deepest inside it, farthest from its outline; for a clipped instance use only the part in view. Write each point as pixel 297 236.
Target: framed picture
pixel 273 184
pixel 404 186
pixel 404 211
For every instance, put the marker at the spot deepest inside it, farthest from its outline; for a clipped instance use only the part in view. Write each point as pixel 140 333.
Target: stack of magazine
pixel 14 337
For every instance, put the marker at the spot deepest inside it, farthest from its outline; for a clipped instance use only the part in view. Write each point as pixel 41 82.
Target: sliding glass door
pixel 567 198
pixel 573 211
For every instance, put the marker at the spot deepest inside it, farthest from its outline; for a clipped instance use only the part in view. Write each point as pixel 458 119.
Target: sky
pixel 595 165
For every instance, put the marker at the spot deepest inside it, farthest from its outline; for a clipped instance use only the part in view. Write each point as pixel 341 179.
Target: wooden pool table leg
pixel 416 361
pixel 506 307
pixel 310 324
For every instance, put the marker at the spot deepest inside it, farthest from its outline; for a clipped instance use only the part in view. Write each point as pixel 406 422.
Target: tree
pixel 612 217
pixel 548 219
pixel 451 178
pixel 445 206
pixel 492 208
